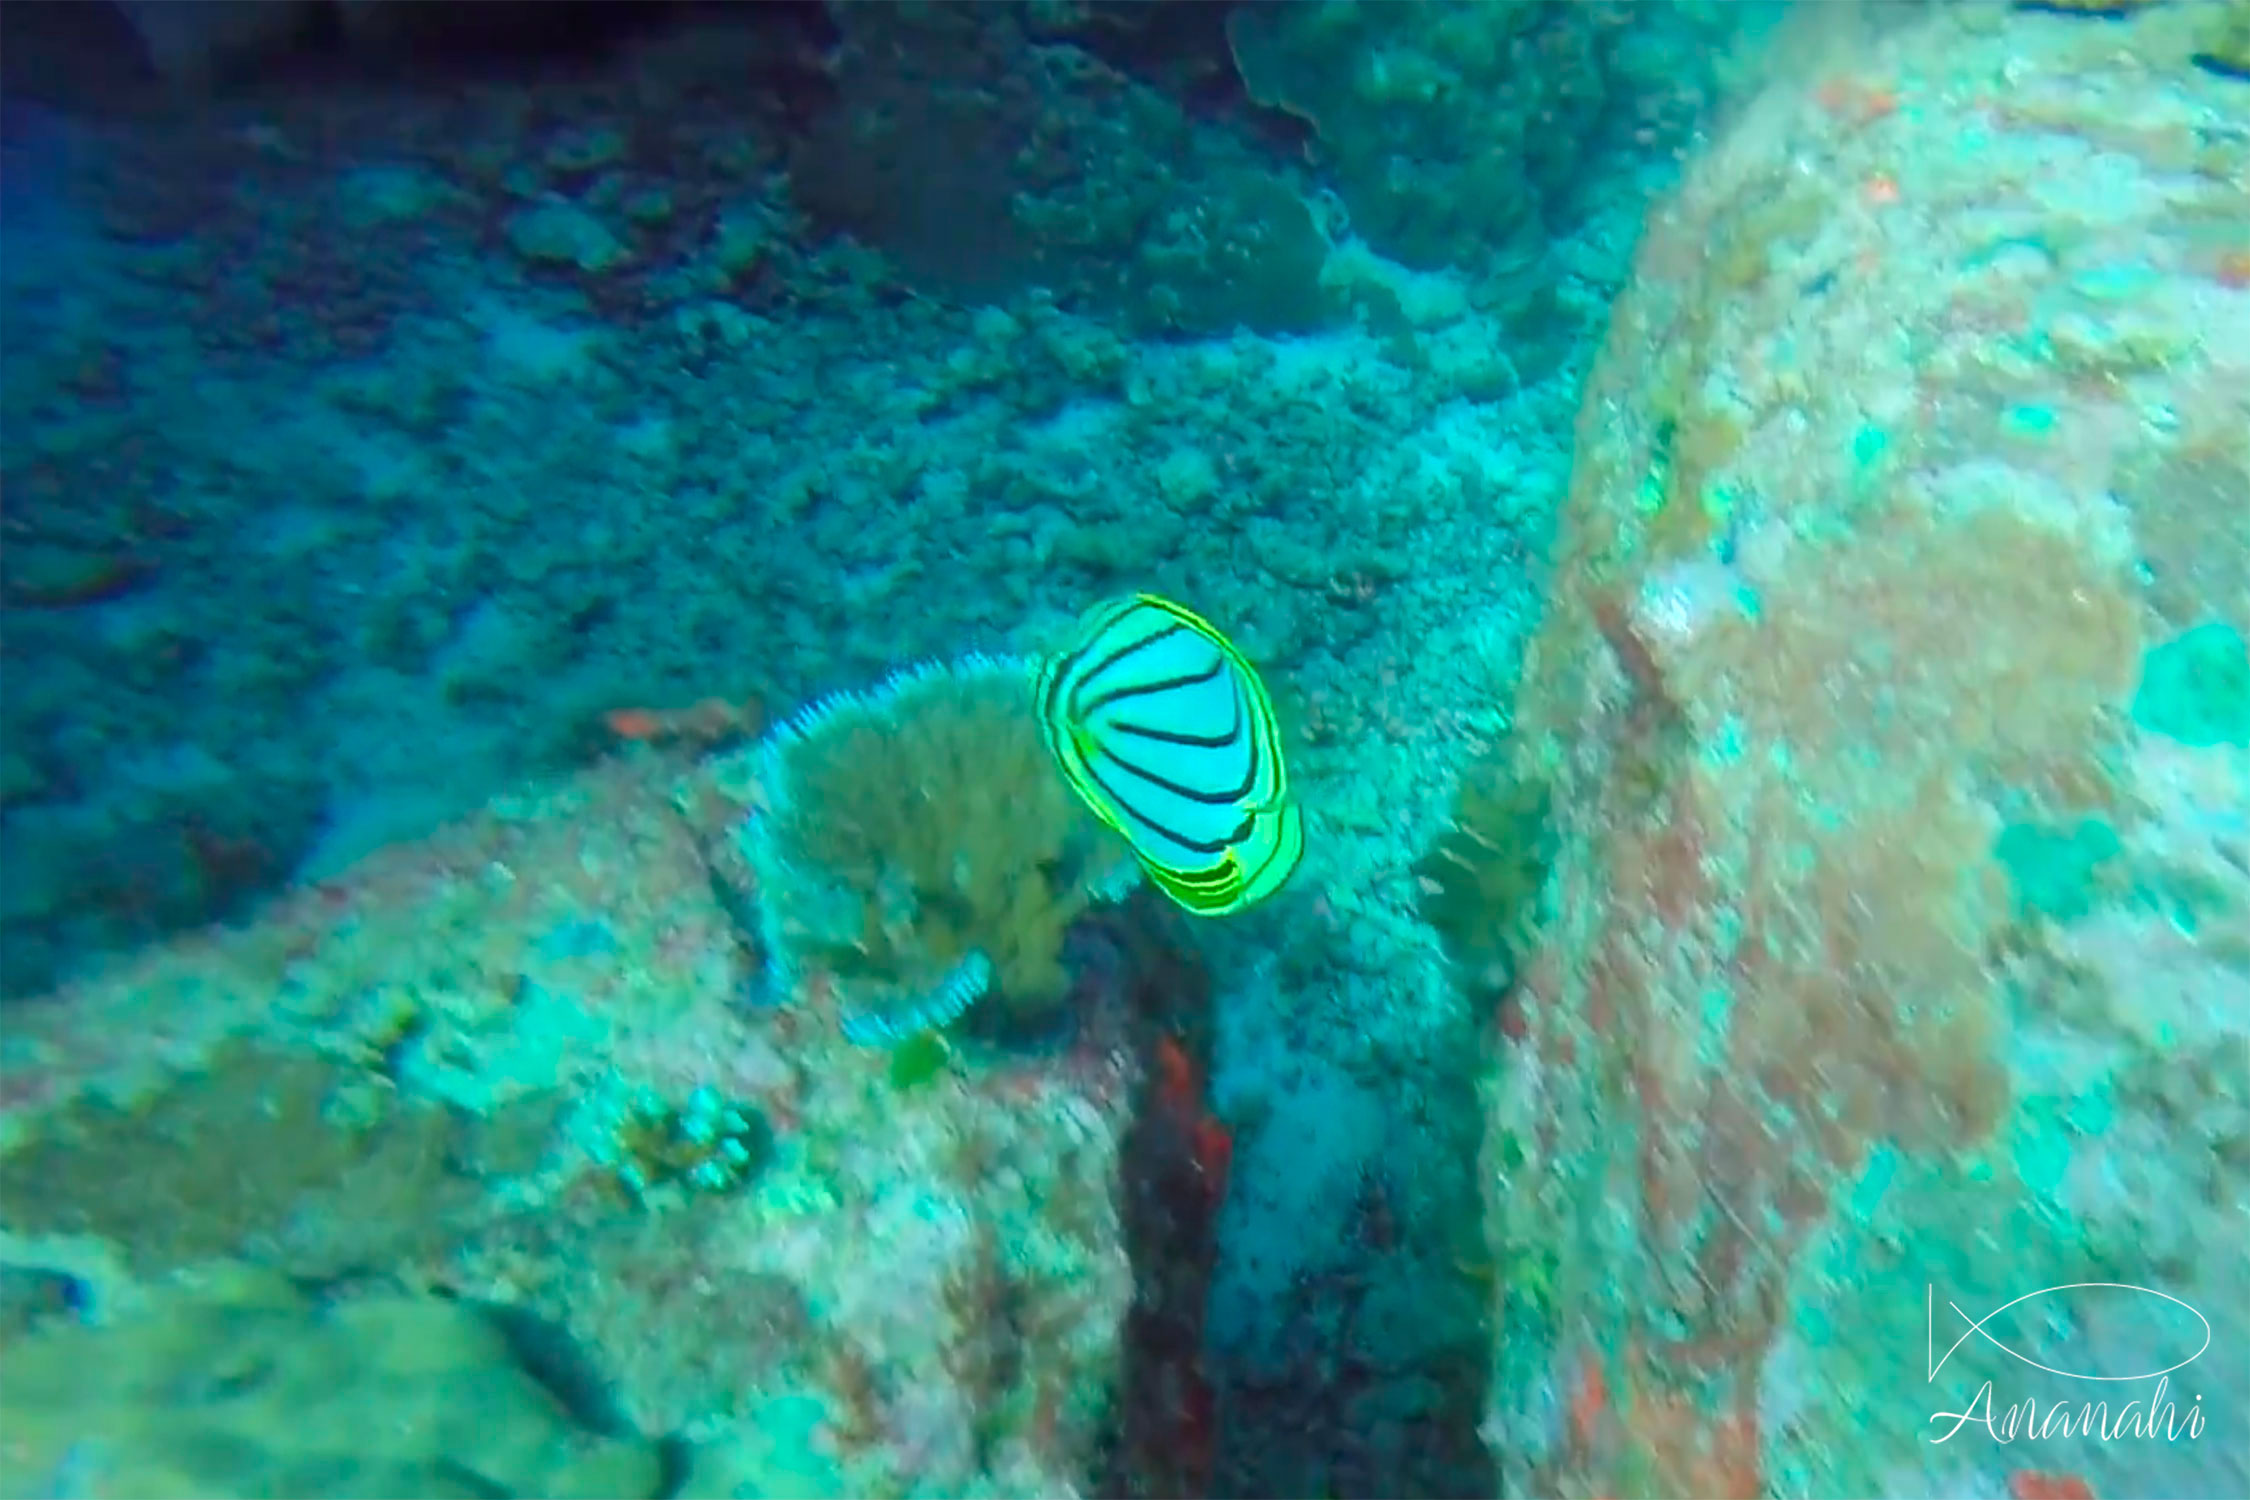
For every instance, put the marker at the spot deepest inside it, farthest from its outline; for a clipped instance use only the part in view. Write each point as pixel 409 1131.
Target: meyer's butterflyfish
pixel 1162 726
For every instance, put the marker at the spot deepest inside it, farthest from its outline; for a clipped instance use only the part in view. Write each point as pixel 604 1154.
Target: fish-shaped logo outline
pixel 1933 1363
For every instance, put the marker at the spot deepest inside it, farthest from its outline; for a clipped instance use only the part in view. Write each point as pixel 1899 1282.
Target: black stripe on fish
pixel 1119 801
pixel 1099 626
pixel 1218 798
pixel 1060 672
pixel 1225 736
pixel 1160 685
pixel 1212 798
pixel 1235 729
pixel 1064 674
pixel 1235 732
pixel 1091 676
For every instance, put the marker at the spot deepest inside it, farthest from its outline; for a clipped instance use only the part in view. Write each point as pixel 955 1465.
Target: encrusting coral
pixel 510 1065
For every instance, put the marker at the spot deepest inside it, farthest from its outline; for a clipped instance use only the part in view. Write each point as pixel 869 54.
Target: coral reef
pixel 956 147
pixel 390 425
pixel 1893 945
pixel 1495 103
pixel 512 1067
pixel 236 1381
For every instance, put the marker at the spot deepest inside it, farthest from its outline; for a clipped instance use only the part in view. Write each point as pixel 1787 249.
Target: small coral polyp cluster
pixel 654 1148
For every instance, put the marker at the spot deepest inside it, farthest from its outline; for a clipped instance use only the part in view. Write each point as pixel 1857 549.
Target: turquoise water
pixel 557 938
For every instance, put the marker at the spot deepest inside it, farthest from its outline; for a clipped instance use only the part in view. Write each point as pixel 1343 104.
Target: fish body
pixel 1163 728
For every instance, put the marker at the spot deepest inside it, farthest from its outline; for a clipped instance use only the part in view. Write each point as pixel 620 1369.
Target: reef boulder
pixel 528 1067
pixel 1893 961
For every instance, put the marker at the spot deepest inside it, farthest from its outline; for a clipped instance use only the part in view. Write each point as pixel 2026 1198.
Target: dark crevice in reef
pixel 1340 1415
pixel 1173 1175
pixel 1370 1378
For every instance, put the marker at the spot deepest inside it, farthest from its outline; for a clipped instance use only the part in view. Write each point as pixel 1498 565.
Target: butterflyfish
pixel 1162 726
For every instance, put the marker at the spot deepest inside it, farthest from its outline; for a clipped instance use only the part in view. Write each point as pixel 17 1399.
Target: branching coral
pixel 920 851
